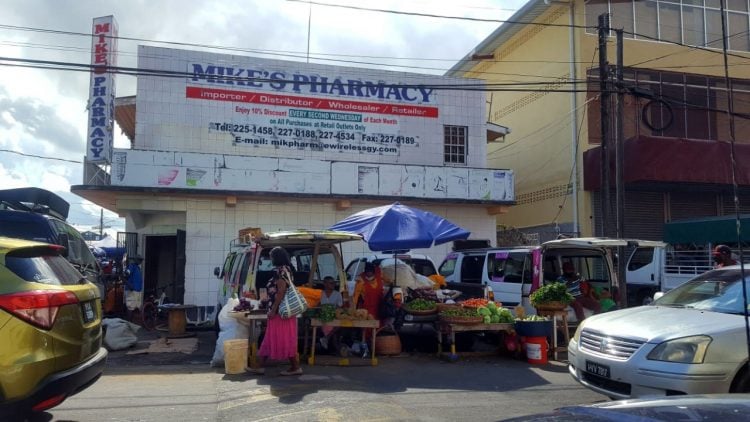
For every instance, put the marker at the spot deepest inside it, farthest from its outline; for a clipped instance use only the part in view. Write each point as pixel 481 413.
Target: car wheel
pixel 741 383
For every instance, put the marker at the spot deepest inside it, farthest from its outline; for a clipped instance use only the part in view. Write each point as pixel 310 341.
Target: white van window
pixel 509 267
pixel 352 271
pixel 590 268
pixel 640 258
pixel 471 268
pixel 448 267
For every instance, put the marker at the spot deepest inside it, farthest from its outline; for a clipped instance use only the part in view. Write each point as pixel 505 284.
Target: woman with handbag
pixel 280 339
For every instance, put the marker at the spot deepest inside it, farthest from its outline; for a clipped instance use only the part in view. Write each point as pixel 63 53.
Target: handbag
pixel 293 302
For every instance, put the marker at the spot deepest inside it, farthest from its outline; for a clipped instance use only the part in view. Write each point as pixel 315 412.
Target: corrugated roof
pixel 527 13
pixel 125 116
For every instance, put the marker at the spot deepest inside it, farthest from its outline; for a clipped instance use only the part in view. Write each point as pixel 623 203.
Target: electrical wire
pixel 39 156
pixel 84 67
pixel 572 168
pixel 431 15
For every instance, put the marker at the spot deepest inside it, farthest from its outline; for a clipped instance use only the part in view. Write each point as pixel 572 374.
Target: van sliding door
pixel 508 272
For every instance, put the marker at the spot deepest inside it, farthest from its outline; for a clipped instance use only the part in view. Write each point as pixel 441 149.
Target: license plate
pixel 88 312
pixel 597 369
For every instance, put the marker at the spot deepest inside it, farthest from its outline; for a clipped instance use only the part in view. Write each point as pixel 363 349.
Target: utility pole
pixel 101 224
pixel 619 170
pixel 604 113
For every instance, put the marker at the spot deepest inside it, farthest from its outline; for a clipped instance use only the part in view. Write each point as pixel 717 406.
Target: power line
pixel 482 87
pixel 431 15
pixel 39 156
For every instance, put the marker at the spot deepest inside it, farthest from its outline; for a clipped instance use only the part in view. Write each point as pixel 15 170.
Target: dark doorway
pixel 161 262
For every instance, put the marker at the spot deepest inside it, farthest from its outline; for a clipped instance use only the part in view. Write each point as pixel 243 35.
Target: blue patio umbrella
pixel 399 227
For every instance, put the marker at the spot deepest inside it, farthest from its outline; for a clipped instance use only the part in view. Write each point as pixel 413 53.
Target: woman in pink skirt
pixel 280 340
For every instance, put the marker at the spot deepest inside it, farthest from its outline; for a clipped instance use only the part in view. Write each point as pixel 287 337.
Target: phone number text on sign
pixel 238 130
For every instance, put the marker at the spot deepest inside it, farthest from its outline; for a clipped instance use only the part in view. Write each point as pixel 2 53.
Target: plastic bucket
pixel 536 350
pixel 235 356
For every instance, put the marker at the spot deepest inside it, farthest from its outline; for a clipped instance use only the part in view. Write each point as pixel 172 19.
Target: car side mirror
pixel 217 272
pixel 64 241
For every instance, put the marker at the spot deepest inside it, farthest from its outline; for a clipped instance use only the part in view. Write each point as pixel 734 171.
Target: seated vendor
pixel 330 297
pixel 583 294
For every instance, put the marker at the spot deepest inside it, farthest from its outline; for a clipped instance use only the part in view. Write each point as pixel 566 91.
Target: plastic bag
pixel 230 329
pixel 121 334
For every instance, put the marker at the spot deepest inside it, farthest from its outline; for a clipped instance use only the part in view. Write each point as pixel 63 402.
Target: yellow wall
pixel 539 147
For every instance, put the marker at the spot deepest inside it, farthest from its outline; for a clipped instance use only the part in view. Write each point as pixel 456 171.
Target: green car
pixel 50 328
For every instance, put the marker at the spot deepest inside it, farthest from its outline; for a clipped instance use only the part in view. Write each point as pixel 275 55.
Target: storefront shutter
pixel 685 205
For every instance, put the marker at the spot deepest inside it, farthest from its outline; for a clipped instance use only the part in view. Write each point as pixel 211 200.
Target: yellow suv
pixel 50 328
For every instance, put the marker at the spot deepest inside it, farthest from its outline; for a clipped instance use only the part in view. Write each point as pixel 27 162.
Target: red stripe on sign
pixel 309 102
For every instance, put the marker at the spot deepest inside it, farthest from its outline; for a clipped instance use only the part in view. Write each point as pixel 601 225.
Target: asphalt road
pixel 401 388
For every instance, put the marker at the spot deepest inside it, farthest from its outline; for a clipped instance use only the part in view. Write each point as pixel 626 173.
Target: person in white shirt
pixel 330 297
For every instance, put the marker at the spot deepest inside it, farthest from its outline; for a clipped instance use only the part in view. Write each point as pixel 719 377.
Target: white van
pixel 513 273
pixel 314 255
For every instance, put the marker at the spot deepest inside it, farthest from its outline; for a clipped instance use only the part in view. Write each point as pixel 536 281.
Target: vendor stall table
pixel 177 320
pixel 562 314
pixel 254 322
pixel 450 329
pixel 346 323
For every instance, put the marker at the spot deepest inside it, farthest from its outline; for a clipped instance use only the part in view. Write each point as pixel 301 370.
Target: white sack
pixel 230 329
pixel 121 334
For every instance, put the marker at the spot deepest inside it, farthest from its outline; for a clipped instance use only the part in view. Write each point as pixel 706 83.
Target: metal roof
pixel 527 13
pixel 125 116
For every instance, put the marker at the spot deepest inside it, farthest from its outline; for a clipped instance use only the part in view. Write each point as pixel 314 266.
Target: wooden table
pixel 554 314
pixel 178 320
pixel 444 328
pixel 345 323
pixel 254 321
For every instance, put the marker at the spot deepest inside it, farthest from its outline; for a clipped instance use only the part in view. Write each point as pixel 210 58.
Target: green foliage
pixel 327 313
pixel 553 292
pixel 421 305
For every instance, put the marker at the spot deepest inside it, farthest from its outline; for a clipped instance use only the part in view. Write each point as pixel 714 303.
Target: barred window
pixel 455 144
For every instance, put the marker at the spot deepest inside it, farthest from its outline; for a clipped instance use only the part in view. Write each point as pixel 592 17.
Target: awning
pixel 706 230
pixel 671 160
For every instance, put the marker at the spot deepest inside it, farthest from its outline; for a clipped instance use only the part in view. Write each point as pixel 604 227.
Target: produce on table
pixel 535 318
pixel 474 303
pixel 352 314
pixel 493 314
pixel 423 293
pixel 553 292
pixel 458 313
pixel 327 313
pixel 244 305
pixel 421 305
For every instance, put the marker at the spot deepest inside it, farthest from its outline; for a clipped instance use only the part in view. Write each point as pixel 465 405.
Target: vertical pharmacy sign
pixel 102 90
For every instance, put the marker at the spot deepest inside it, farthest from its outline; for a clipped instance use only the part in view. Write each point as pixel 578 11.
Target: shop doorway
pixel 165 266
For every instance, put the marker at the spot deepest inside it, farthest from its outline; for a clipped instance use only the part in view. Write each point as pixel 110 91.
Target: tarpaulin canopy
pixel 399 227
pixel 706 230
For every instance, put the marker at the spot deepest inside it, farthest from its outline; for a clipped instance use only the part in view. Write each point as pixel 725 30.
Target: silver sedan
pixel 690 341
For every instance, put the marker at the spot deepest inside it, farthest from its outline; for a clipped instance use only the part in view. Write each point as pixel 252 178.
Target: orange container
pixel 536 350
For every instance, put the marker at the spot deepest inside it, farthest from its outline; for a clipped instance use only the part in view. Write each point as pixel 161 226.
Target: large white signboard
pixel 251 106
pixel 102 90
pixel 184 170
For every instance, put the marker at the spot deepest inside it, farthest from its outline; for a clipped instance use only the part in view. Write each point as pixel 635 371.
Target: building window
pixel 455 144
pixel 691 22
pixel 696 110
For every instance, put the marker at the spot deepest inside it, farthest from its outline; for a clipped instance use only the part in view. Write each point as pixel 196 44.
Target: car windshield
pixel 716 291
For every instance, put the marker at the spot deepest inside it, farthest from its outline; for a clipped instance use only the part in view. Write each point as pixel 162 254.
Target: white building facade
pixel 222 142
